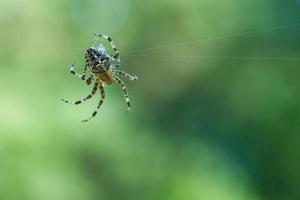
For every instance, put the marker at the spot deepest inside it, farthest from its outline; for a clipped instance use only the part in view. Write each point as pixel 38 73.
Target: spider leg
pixel 120 82
pixel 116 55
pixel 126 75
pixel 99 104
pixel 85 98
pixel 88 80
pixel 85 68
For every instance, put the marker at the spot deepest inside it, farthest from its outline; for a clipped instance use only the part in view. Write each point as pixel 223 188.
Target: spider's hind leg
pixel 126 96
pixel 116 55
pixel 126 75
pixel 85 98
pixel 99 104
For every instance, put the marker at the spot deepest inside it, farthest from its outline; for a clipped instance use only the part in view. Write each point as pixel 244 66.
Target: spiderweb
pixel 136 53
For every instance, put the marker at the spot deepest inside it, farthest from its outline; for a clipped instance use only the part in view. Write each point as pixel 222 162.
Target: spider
pixel 103 71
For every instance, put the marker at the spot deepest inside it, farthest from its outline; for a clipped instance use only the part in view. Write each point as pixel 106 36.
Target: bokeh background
pixel 215 113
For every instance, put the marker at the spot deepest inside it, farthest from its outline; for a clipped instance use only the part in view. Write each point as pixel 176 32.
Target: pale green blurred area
pixel 202 127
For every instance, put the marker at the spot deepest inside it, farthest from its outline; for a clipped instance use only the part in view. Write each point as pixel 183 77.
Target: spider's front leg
pixel 126 96
pixel 99 104
pixel 83 99
pixel 88 80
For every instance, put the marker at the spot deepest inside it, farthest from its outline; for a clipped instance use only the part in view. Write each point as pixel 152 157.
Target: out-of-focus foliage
pixel 213 119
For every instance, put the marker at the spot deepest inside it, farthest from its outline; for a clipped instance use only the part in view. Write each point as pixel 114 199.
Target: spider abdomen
pixel 97 61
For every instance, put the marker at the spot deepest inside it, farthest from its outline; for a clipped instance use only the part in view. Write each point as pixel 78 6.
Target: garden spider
pixel 103 70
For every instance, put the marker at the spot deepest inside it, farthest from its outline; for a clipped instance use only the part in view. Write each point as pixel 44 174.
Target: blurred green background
pixel 213 119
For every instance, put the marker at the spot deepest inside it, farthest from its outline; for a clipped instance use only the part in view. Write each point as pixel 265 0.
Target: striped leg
pixel 88 80
pixel 85 68
pixel 126 75
pixel 99 104
pixel 85 98
pixel 116 55
pixel 120 82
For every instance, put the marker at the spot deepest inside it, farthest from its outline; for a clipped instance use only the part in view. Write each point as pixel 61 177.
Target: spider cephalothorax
pixel 102 67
